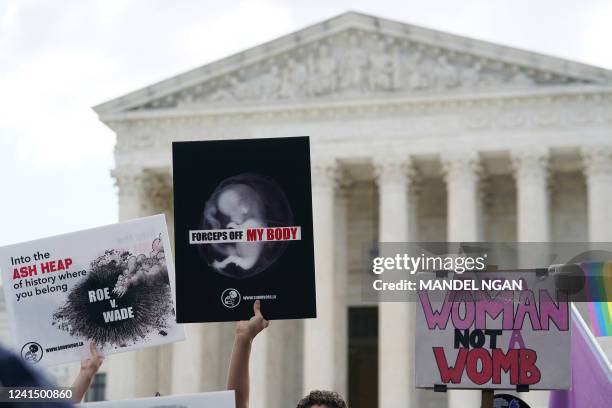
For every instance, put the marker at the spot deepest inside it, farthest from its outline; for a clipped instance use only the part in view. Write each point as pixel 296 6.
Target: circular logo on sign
pixel 32 352
pixel 230 298
pixel 508 401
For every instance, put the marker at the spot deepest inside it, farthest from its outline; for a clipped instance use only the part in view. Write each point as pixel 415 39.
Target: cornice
pixel 330 108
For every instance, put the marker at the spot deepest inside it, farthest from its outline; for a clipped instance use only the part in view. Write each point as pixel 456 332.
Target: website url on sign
pixel 259 297
pixel 63 347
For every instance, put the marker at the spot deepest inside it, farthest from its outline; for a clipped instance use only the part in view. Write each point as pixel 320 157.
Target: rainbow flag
pixel 599 286
pixel 591 371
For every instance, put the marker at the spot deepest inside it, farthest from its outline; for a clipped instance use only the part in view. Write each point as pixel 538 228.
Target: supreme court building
pixel 415 135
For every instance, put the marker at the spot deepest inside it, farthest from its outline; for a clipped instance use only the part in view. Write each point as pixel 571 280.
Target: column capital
pixel 157 187
pixel 393 169
pixel 597 161
pixel 461 166
pixel 530 164
pixel 129 180
pixel 344 182
pixel 531 171
pixel 326 173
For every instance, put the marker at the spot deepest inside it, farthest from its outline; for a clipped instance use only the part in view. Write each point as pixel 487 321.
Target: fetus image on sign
pixel 245 201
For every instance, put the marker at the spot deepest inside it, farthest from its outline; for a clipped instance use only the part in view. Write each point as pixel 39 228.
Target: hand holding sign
pixel 91 365
pixel 89 368
pixel 248 329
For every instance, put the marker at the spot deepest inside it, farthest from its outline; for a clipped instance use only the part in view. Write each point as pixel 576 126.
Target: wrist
pixel 87 373
pixel 243 337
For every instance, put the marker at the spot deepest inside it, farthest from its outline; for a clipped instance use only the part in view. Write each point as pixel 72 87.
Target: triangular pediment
pixel 356 55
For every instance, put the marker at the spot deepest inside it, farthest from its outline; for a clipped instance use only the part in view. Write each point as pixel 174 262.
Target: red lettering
pixel 506 362
pixel 25 272
pixel 450 374
pixel 482 376
pixel 47 267
pixel 270 234
pixel 252 234
pixel 530 374
pixel 482 366
pixel 55 266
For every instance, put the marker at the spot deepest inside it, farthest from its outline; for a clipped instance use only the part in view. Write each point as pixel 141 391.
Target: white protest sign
pixel 493 339
pixel 112 285
pixel 221 399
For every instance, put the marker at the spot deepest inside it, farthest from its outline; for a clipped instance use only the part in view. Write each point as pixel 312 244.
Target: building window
pixel 363 357
pixel 97 391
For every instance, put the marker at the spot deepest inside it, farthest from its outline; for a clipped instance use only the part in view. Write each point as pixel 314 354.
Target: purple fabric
pixel 591 384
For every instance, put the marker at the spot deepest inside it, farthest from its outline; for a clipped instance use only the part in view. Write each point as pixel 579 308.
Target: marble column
pixel 462 172
pixel 157 191
pixel 396 320
pixel 284 355
pixel 194 357
pixel 531 175
pixel 123 368
pixel 272 354
pixel 533 221
pixel 258 368
pixel 341 284
pixel 320 368
pixel 597 161
pixel 154 363
pixel 129 182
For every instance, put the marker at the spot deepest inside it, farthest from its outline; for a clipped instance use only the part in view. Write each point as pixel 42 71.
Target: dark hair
pixel 328 398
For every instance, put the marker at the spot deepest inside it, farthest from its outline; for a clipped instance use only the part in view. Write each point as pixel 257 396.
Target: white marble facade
pixel 416 135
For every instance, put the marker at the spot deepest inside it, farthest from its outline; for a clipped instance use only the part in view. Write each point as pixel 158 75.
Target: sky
pixel 60 58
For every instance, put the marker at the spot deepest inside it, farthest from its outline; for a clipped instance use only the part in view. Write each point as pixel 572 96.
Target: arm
pixel 89 368
pixel 238 378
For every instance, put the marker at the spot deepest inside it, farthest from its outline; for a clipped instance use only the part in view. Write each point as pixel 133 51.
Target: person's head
pixel 322 399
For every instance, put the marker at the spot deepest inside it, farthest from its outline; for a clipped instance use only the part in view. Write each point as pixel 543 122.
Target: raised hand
pixel 238 378
pixel 89 368
pixel 92 365
pixel 248 329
